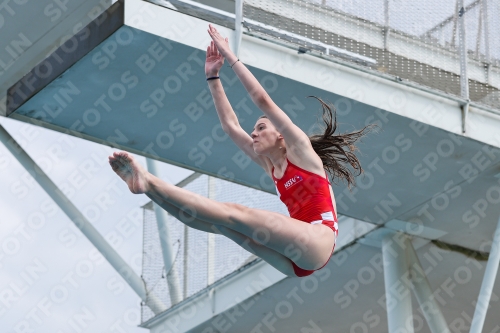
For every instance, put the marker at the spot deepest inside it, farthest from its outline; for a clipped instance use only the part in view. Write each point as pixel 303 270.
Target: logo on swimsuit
pixel 292 181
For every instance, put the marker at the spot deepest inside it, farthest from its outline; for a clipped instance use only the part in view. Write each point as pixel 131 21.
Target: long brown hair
pixel 337 151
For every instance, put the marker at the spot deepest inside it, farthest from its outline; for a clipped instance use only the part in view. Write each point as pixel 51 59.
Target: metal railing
pixel 443 46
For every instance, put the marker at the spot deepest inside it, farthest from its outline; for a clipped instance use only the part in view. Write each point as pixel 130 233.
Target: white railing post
pixel 462 51
pixel 238 25
pixel 398 295
pixel 211 239
pixel 387 28
pixel 172 274
pixel 484 4
pixel 185 262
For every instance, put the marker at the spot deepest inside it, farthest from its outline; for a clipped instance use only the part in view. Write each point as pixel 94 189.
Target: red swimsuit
pixel 307 197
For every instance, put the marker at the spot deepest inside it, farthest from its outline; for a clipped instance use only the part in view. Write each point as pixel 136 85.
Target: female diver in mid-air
pixel 296 245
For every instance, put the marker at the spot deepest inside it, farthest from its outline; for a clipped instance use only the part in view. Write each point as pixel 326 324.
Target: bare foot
pixel 130 171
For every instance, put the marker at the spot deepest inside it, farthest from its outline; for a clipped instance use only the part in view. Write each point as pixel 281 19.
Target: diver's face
pixel 265 136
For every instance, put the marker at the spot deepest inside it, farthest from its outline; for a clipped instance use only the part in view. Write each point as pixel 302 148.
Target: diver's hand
pixel 222 44
pixel 213 61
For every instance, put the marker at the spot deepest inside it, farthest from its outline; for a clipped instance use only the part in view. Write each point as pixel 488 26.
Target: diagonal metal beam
pixel 81 222
pixel 423 293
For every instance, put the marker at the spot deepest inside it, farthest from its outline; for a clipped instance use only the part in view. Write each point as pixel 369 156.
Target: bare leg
pixel 309 246
pixel 187 219
pixel 278 261
pixel 275 259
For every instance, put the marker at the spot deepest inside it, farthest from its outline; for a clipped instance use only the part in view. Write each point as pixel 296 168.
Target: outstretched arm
pixel 292 134
pixel 227 116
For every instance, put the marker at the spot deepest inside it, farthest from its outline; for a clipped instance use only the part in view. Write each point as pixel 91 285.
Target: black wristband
pixel 234 63
pixel 212 78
